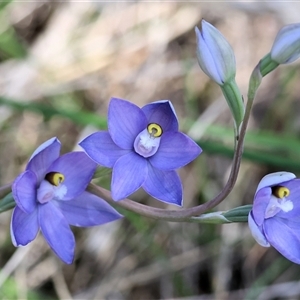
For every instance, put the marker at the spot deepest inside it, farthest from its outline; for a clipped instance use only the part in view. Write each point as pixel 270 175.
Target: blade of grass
pixel 78 117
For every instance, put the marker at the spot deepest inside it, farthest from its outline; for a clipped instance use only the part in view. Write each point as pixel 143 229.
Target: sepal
pixel 238 214
pixel 235 215
pixel 211 218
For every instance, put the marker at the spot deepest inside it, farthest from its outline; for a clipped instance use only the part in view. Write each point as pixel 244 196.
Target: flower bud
pixel 215 55
pixel 286 47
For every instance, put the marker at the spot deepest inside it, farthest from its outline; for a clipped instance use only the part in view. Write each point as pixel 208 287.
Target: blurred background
pixel 60 62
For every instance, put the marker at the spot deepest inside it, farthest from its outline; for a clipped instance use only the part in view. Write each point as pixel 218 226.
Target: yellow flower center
pixel 154 130
pixel 55 178
pixel 280 191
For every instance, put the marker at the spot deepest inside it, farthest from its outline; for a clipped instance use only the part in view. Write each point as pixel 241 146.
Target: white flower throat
pixel 51 187
pixel 147 141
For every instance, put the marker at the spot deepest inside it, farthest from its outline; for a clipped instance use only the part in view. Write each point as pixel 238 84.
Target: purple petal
pixel 257 232
pixel 163 114
pixel 24 191
pixel 43 157
pixel 78 170
pixel 129 173
pixel 101 148
pixel 125 122
pixel 284 236
pixel 57 232
pixel 24 227
pixel 164 186
pixel 175 151
pixel 87 210
pixel 294 196
pixel 261 201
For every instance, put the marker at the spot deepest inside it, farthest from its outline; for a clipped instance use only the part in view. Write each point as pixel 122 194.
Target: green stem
pixel 7 203
pixel 235 102
pixel 4 190
pixel 267 64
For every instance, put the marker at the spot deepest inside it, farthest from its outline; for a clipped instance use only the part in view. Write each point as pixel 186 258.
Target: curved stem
pixel 141 209
pixel 185 215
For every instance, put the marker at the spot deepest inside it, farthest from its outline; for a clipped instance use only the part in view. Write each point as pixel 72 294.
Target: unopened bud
pixel 286 47
pixel 215 55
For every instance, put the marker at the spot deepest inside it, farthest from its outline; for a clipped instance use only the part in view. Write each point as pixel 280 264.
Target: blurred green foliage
pixel 10 44
pixel 10 290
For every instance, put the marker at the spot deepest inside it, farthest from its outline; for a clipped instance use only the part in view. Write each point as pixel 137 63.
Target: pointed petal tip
pixel 118 195
pixel 256 232
pixel 43 146
pixel 117 99
pixel 69 260
pixel 87 210
pixel 177 201
pixel 164 186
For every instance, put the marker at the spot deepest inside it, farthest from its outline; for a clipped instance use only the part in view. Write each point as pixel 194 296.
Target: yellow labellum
pixel 154 129
pixel 55 178
pixel 280 191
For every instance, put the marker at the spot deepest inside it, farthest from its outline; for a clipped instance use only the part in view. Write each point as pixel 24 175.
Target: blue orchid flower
pixel 144 148
pixel 50 195
pixel 275 217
